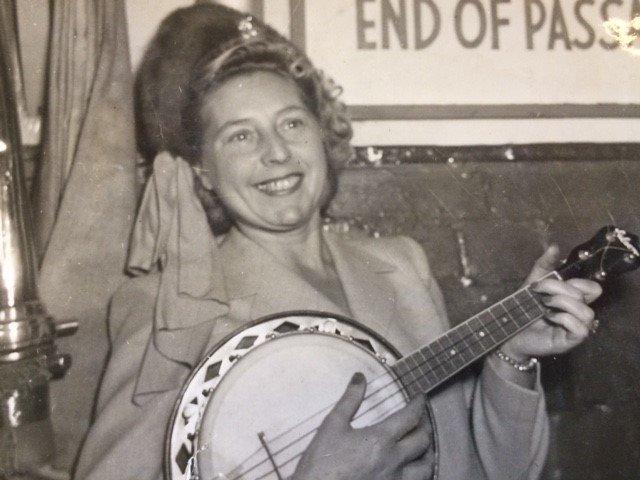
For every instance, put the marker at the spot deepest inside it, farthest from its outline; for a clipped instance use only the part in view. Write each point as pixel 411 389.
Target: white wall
pixel 145 15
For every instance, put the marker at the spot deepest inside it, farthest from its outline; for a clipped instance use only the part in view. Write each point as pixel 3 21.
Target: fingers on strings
pixel 572 329
pixel 578 288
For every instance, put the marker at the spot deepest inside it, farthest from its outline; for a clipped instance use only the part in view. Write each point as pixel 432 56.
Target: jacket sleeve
pixel 126 439
pixel 509 423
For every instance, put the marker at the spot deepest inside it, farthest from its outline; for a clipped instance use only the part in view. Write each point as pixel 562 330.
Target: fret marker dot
pixel 453 351
pixel 481 333
pixel 505 319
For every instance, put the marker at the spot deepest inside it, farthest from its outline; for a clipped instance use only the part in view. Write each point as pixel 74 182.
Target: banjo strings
pixel 431 367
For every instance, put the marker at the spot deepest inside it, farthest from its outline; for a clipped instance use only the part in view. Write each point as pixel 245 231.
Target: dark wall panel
pixel 483 220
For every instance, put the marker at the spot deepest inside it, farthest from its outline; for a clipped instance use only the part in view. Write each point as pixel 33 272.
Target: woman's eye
pixel 239 137
pixel 293 123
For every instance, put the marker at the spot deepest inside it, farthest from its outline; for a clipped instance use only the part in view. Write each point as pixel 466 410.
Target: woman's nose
pixel 277 150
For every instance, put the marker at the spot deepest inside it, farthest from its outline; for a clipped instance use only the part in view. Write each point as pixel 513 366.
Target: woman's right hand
pixel 398 448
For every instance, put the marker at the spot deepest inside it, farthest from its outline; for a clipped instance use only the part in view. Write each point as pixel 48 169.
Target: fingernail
pixel 357 379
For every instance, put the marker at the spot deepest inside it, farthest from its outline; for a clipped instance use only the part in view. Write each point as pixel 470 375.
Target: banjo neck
pixel 425 369
pixel 611 251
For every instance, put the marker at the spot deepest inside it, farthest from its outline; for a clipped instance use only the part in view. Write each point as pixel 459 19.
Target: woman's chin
pixel 291 217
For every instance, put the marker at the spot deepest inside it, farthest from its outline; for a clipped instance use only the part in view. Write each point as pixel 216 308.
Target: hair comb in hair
pixel 247 28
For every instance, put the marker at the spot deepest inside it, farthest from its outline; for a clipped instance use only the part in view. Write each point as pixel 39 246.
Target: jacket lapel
pixel 366 285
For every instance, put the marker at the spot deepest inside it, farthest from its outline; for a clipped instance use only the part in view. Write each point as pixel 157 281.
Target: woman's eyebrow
pixel 242 121
pixel 291 108
pixel 231 123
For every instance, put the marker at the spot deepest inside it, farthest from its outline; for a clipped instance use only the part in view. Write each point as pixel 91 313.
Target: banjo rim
pixel 166 463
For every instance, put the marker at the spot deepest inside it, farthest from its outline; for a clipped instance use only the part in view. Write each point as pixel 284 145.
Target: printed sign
pixel 476 58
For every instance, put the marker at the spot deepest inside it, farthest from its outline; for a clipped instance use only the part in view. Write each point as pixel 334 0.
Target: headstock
pixel 610 252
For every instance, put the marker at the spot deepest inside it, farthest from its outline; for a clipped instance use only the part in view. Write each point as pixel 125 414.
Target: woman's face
pixel 263 152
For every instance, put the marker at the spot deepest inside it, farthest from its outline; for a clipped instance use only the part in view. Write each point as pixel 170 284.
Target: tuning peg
pixel 600 276
pixel 584 254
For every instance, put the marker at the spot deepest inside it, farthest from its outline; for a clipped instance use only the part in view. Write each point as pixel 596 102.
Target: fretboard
pixel 429 366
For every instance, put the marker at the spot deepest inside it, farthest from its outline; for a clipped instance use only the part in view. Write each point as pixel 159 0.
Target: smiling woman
pixel 180 74
pixel 264 153
pixel 246 136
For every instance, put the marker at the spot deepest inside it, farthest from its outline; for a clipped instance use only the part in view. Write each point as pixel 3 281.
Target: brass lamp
pixel 28 356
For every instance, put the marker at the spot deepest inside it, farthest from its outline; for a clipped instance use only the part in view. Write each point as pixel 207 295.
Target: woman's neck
pixel 297 248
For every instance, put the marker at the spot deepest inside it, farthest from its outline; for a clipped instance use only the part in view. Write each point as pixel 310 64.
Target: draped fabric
pixel 85 195
pixel 74 42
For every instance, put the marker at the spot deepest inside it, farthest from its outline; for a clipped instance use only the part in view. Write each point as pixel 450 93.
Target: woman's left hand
pixel 570 321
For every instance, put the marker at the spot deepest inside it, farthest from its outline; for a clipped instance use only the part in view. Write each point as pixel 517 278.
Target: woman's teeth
pixel 280 185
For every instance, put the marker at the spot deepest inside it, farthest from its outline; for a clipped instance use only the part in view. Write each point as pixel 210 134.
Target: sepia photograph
pixel 319 239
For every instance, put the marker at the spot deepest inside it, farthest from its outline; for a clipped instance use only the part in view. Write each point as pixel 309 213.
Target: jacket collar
pixel 275 288
pixel 256 285
pixel 364 279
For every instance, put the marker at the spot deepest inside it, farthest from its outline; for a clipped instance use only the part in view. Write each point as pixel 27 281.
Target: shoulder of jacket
pixel 137 287
pixel 133 304
pixel 395 249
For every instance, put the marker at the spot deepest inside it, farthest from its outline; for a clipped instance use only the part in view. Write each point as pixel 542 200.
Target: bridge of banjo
pixel 254 403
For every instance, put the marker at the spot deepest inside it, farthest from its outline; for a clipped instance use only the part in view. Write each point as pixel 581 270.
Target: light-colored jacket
pixel 487 427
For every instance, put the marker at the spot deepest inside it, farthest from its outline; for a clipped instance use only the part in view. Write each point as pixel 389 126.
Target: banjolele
pixel 252 406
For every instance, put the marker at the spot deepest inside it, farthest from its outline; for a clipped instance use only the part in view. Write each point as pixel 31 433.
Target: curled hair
pixel 197 49
pixel 318 92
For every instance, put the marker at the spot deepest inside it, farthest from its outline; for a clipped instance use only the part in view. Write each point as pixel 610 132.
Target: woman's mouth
pixel 281 185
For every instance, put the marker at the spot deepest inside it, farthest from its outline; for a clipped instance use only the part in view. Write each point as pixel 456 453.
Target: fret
pixel 440 356
pixel 474 324
pixel 406 371
pixel 487 321
pixel 481 334
pixel 499 332
pixel 533 312
pixel 532 302
pixel 519 312
pixel 475 345
pixel 457 349
pixel 412 362
pixel 526 297
pixel 423 384
pixel 436 355
pixel 411 374
pixel 436 368
pixel 409 382
pixel 445 342
pixel 421 371
pixel 431 377
pixel 505 316
pixel 523 297
pixel 465 344
pixel 412 389
pixel 442 359
pixel 454 360
pixel 492 325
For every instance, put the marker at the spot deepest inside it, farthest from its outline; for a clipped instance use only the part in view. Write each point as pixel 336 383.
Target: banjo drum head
pixel 275 397
pixel 255 401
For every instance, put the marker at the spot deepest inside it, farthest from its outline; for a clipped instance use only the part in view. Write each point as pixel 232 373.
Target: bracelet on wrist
pixel 520 366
